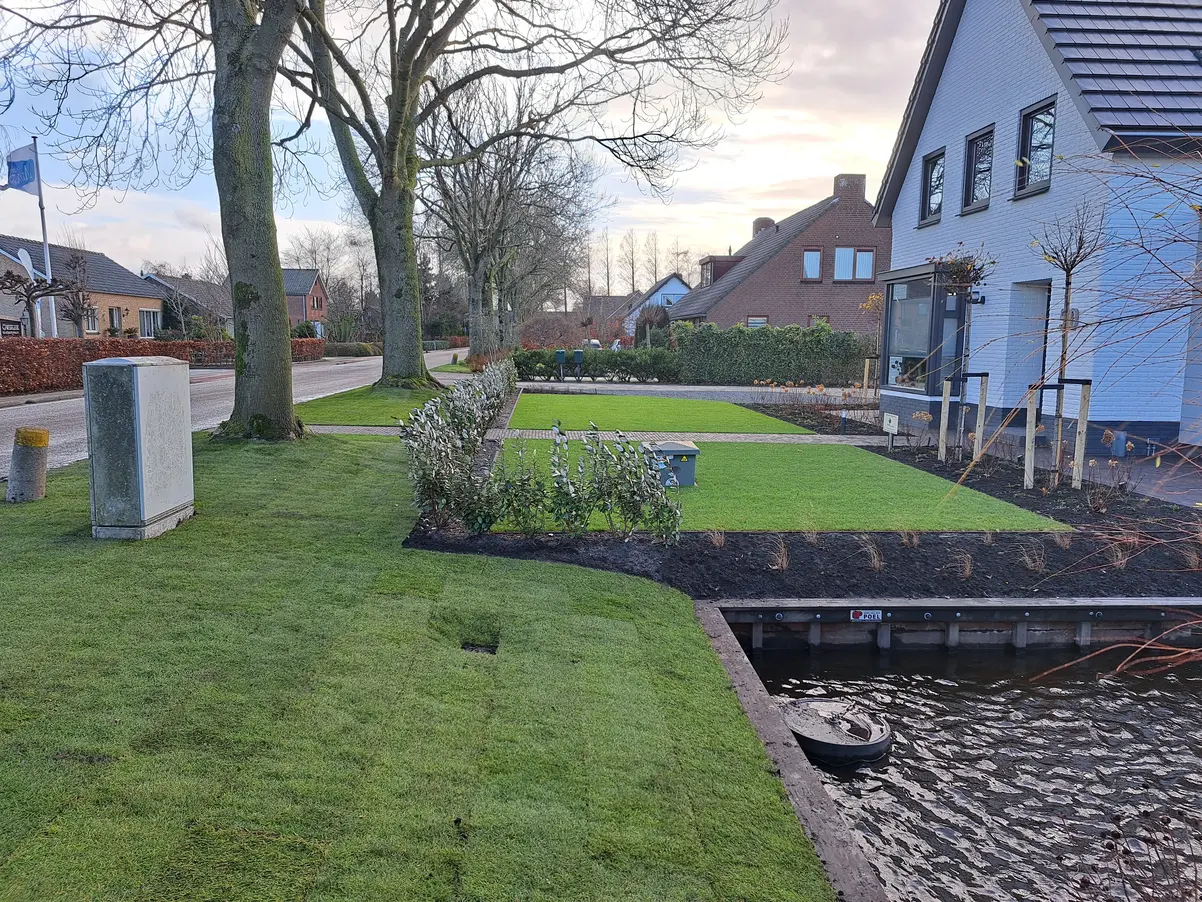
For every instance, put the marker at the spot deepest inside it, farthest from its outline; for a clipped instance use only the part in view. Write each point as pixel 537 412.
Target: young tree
pixel 1068 244
pixel 195 78
pixel 607 262
pixel 628 259
pixel 637 82
pixel 76 301
pixel 680 260
pixel 29 292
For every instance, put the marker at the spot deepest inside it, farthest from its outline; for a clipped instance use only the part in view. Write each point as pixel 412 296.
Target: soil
pixel 1103 509
pixel 838 565
pixel 823 422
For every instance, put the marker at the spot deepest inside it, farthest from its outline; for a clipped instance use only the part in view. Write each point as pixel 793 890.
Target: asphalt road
pixel 212 402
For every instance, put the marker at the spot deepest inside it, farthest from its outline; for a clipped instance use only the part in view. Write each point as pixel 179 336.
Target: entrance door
pixel 1027 338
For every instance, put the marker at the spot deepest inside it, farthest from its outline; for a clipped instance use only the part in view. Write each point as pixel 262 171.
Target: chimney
pixel 851 186
pixel 763 222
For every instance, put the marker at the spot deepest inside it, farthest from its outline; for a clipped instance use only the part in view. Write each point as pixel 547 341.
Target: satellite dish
pixel 23 256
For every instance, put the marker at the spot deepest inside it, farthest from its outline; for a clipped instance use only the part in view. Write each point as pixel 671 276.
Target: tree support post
pixel 1029 448
pixel 945 412
pixel 1082 429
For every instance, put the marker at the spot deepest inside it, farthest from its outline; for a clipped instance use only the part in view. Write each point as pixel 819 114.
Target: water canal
pixel 999 788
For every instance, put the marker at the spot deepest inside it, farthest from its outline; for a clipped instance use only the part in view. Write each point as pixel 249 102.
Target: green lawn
pixel 271 703
pixel 830 488
pixel 636 413
pixel 452 368
pixel 367 406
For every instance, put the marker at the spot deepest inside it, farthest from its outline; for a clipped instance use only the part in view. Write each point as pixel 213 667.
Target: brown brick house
pixel 307 298
pixel 818 265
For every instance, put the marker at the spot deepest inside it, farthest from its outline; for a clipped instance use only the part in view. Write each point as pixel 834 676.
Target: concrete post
pixel 953 635
pixel 815 634
pixel 982 401
pixel 884 637
pixel 1029 450
pixel 757 636
pixel 944 414
pixel 27 473
pixel 1082 432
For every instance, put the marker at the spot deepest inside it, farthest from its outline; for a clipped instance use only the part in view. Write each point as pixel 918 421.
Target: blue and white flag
pixel 23 170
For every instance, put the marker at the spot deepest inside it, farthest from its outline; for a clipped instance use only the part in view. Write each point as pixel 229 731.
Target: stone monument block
pixel 139 419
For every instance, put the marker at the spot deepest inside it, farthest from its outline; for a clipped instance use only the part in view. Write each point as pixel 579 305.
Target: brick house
pixel 818 265
pixel 121 300
pixel 307 298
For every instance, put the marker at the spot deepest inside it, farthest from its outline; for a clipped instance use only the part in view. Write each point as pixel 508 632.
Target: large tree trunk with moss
pixel 400 283
pixel 246 56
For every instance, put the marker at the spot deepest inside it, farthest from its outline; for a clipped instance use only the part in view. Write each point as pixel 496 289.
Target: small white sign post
pixel 890 425
pixel 139 419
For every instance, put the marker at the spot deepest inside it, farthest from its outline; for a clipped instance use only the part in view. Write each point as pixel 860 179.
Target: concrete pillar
pixel 27 473
pixel 953 635
pixel 815 634
pixel 884 637
pixel 1020 635
pixel 1084 629
pixel 757 636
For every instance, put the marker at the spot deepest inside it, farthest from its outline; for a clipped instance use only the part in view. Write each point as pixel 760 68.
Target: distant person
pixel 617 345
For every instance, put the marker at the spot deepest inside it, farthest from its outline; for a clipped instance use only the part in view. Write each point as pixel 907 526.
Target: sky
pixel 851 65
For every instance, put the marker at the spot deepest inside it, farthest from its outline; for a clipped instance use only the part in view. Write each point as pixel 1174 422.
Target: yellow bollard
pixel 27 473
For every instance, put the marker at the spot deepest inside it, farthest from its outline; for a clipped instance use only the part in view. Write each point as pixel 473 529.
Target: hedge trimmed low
pixel 353 349
pixel 56 364
pixel 638 365
pixel 740 356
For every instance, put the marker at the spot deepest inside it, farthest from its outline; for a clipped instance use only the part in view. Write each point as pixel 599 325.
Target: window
pixel 866 265
pixel 845 264
pixel 811 264
pixel 978 169
pixel 91 322
pixel 316 302
pixel 908 333
pixel 818 318
pixel 756 322
pixel 1035 148
pixel 932 187
pixel 148 322
pixel 115 319
pixel 707 274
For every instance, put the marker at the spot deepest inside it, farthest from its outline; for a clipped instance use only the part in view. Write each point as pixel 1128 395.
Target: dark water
pixel 999 788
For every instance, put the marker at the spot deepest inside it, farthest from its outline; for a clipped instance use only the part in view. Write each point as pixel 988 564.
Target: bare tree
pixel 76 301
pixel 680 260
pixel 651 258
pixel 637 82
pixel 29 292
pixel 607 262
pixel 200 75
pixel 1068 244
pixel 323 249
pixel 628 259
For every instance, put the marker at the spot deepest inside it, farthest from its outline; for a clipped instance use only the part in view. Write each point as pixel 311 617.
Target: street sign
pixel 10 328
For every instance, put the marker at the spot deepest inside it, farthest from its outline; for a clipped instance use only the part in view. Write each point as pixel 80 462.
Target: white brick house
pixel 1102 101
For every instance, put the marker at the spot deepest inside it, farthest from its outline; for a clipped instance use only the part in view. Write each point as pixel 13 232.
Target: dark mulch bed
pixel 838 565
pixel 821 421
pixel 1004 480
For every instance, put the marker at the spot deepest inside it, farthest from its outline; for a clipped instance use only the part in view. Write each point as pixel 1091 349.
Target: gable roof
pixel 104 275
pixel 759 250
pixel 300 281
pixel 604 307
pixel 1132 67
pixel 207 295
pixel 634 301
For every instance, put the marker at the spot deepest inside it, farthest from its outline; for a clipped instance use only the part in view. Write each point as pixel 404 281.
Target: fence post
pixel 867 373
pixel 979 442
pixel 1029 451
pixel 1082 430
pixel 945 410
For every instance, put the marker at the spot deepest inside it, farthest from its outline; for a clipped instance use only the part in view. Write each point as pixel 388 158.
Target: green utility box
pixel 682 461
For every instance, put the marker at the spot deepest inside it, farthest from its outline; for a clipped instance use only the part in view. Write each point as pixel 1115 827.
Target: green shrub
pixel 350 349
pixel 522 489
pixel 304 330
pixel 641 365
pixel 740 356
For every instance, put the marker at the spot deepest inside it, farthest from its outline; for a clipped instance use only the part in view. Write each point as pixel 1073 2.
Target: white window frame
pixel 805 277
pixel 91 321
pixel 747 321
pixel 157 316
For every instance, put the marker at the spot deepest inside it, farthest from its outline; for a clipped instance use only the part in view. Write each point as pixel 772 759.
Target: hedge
pixel 353 349
pixel 56 364
pixel 641 365
pixel 740 356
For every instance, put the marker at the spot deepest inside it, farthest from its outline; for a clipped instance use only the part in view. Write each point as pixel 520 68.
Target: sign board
pixel 10 328
pixel 889 423
pixel 865 616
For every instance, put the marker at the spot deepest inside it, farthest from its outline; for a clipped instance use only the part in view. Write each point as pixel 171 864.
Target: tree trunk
pixel 400 283
pixel 1057 454
pixel 242 90
pixel 482 312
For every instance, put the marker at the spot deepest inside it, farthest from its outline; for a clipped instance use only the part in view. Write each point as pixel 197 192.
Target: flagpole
pixel 37 165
